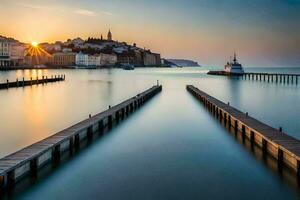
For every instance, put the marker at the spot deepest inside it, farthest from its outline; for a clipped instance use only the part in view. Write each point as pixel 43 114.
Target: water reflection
pixel 172 149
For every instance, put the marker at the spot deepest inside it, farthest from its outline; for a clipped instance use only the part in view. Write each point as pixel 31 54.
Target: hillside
pixel 182 63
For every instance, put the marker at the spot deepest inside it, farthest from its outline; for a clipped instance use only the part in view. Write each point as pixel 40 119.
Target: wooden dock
pixel 267 77
pixel 30 159
pixel 36 81
pixel 273 77
pixel 279 145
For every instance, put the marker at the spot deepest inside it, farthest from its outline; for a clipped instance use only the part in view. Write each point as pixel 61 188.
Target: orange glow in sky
pixel 200 30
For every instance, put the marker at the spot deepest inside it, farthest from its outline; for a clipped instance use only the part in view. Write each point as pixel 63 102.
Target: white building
pixel 81 59
pixel 85 60
pixel 5 52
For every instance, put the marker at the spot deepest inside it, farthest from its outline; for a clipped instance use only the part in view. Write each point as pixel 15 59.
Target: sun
pixel 34 43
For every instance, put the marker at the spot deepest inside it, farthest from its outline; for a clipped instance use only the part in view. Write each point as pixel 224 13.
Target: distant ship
pixel 234 67
pixel 128 66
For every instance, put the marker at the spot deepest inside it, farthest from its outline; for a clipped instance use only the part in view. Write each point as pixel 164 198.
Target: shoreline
pixel 72 67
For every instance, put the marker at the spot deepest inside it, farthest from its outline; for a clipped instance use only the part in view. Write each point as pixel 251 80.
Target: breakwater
pixel 30 159
pixel 36 81
pixel 284 148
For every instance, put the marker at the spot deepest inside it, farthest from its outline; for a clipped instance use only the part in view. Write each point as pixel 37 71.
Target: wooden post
pixel 236 125
pixel 280 156
pixel 110 121
pixel 298 168
pixel 100 126
pixel 264 145
pixel 56 152
pixel 7 82
pixel 252 137
pixel 71 143
pixel 90 133
pixel 30 80
pixel 243 132
pixel 3 181
pixel 34 166
pixel 23 82
pixel 11 178
pixel 280 76
pixel 17 81
pixel 77 140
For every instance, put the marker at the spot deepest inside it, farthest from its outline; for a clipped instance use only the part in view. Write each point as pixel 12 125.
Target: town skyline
pixel 199 30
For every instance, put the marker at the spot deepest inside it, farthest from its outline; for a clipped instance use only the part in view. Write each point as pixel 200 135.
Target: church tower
pixel 109 36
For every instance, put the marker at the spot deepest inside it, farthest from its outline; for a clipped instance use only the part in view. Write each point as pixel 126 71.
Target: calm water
pixel 170 149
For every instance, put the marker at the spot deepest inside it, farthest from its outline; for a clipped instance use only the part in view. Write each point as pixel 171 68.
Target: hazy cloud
pixel 91 13
pixel 107 13
pixel 31 6
pixel 85 12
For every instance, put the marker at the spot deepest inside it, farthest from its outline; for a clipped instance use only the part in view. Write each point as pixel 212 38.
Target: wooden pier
pixel 267 77
pixel 36 81
pixel 30 159
pixel 277 78
pixel 279 145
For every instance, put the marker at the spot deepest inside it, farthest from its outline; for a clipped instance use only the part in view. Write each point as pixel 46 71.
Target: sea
pixel 171 148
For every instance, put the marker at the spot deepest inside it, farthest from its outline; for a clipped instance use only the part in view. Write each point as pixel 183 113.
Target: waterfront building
pixel 17 54
pixel 5 52
pixel 64 59
pixel 85 60
pixel 108 59
pixel 151 59
pixel 81 59
pixel 94 60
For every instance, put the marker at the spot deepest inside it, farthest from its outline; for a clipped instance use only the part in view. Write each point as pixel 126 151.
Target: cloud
pixel 31 6
pixel 85 12
pixel 107 13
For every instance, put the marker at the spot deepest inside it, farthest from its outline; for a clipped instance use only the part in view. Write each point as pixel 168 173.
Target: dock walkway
pixel 28 160
pixel 23 82
pixel 281 146
pixel 272 77
pixel 267 77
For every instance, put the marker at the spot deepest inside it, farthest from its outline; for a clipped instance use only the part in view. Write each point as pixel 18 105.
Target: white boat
pixel 234 67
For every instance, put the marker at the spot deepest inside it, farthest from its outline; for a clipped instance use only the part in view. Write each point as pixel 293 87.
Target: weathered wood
pixel 24 83
pixel 31 158
pixel 281 146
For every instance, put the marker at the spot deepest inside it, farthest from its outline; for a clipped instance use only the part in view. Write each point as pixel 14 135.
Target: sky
pixel 264 33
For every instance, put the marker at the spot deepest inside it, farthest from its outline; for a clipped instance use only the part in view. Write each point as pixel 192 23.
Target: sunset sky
pixel 262 32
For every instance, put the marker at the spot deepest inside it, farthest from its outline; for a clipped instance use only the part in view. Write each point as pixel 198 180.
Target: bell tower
pixel 109 36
